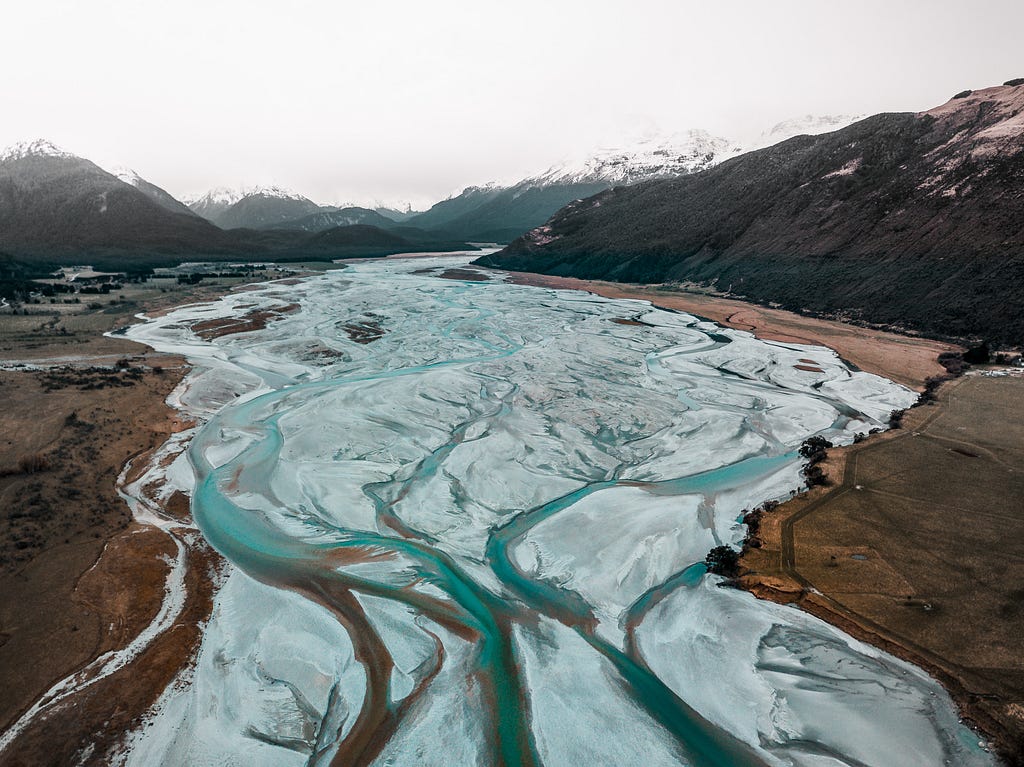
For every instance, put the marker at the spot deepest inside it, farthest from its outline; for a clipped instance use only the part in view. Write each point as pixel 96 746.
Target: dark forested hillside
pixel 60 204
pixel 914 220
pixel 56 208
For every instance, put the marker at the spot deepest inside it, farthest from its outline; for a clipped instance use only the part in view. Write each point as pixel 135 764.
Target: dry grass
pixel 920 547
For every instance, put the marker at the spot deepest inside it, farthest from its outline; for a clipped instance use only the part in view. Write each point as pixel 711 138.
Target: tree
pixel 723 560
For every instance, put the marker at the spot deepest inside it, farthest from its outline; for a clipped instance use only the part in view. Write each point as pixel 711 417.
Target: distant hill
pixel 329 218
pixel 52 202
pixel 395 214
pixel 913 220
pixel 265 208
pixel 56 207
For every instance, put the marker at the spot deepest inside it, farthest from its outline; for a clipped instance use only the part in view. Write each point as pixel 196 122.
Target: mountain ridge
pixel 904 219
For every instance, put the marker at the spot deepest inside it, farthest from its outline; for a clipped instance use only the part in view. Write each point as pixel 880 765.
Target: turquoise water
pixel 427 468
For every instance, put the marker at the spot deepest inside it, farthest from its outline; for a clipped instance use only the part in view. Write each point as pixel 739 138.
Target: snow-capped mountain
pixel 54 203
pixel 262 207
pixel 38 148
pixel 214 202
pixel 807 125
pixel 251 207
pixel 649 157
pixel 161 197
pixel 499 213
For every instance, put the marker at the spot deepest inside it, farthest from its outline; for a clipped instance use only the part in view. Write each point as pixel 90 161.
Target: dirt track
pixel 918 547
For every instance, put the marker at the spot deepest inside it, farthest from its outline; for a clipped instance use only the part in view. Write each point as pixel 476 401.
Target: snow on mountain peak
pixel 38 148
pixel 807 125
pixel 128 176
pixel 655 156
pixel 274 191
pixel 221 195
pixel 224 196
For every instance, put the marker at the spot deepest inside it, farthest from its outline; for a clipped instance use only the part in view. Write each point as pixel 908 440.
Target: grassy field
pixel 918 546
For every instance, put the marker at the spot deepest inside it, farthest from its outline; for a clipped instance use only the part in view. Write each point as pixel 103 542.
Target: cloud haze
pixel 411 100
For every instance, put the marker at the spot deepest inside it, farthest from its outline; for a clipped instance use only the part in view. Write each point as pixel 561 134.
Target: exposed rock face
pixel 905 219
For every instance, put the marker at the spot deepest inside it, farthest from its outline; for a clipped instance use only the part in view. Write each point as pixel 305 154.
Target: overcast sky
pixel 413 100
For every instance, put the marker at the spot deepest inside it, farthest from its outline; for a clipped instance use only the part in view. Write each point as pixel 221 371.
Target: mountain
pixel 329 218
pixel 400 214
pixel 648 158
pixel 264 208
pixel 911 220
pixel 53 203
pixel 56 207
pixel 501 213
pixel 152 191
pixel 214 202
pixel 807 125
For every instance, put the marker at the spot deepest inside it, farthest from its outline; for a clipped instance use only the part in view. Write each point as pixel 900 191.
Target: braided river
pixel 464 523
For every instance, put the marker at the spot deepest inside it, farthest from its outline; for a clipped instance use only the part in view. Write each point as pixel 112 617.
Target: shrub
pixel 814 448
pixel 723 560
pixel 978 355
pixel 953 362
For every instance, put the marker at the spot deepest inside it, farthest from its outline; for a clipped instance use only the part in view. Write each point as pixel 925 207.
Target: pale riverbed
pixel 472 540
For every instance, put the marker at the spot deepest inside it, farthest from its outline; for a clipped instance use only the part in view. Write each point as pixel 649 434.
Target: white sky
pixel 412 100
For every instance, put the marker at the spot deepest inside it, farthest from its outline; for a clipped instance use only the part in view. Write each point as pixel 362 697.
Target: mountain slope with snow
pixel 214 202
pixel 501 213
pixel 161 197
pixel 912 220
pixel 263 207
pixel 53 202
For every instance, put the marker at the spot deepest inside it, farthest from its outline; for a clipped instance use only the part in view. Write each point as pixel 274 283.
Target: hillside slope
pixel 264 208
pixel 54 203
pixel 912 220
pixel 161 197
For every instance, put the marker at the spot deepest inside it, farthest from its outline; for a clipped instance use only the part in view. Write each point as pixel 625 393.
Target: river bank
pixel 915 547
pixel 101 716
pixel 871 572
pixel 80 579
pixel 909 360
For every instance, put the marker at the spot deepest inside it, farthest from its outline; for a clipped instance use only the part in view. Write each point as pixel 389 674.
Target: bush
pixel 978 355
pixel 723 560
pixel 953 362
pixel 814 448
